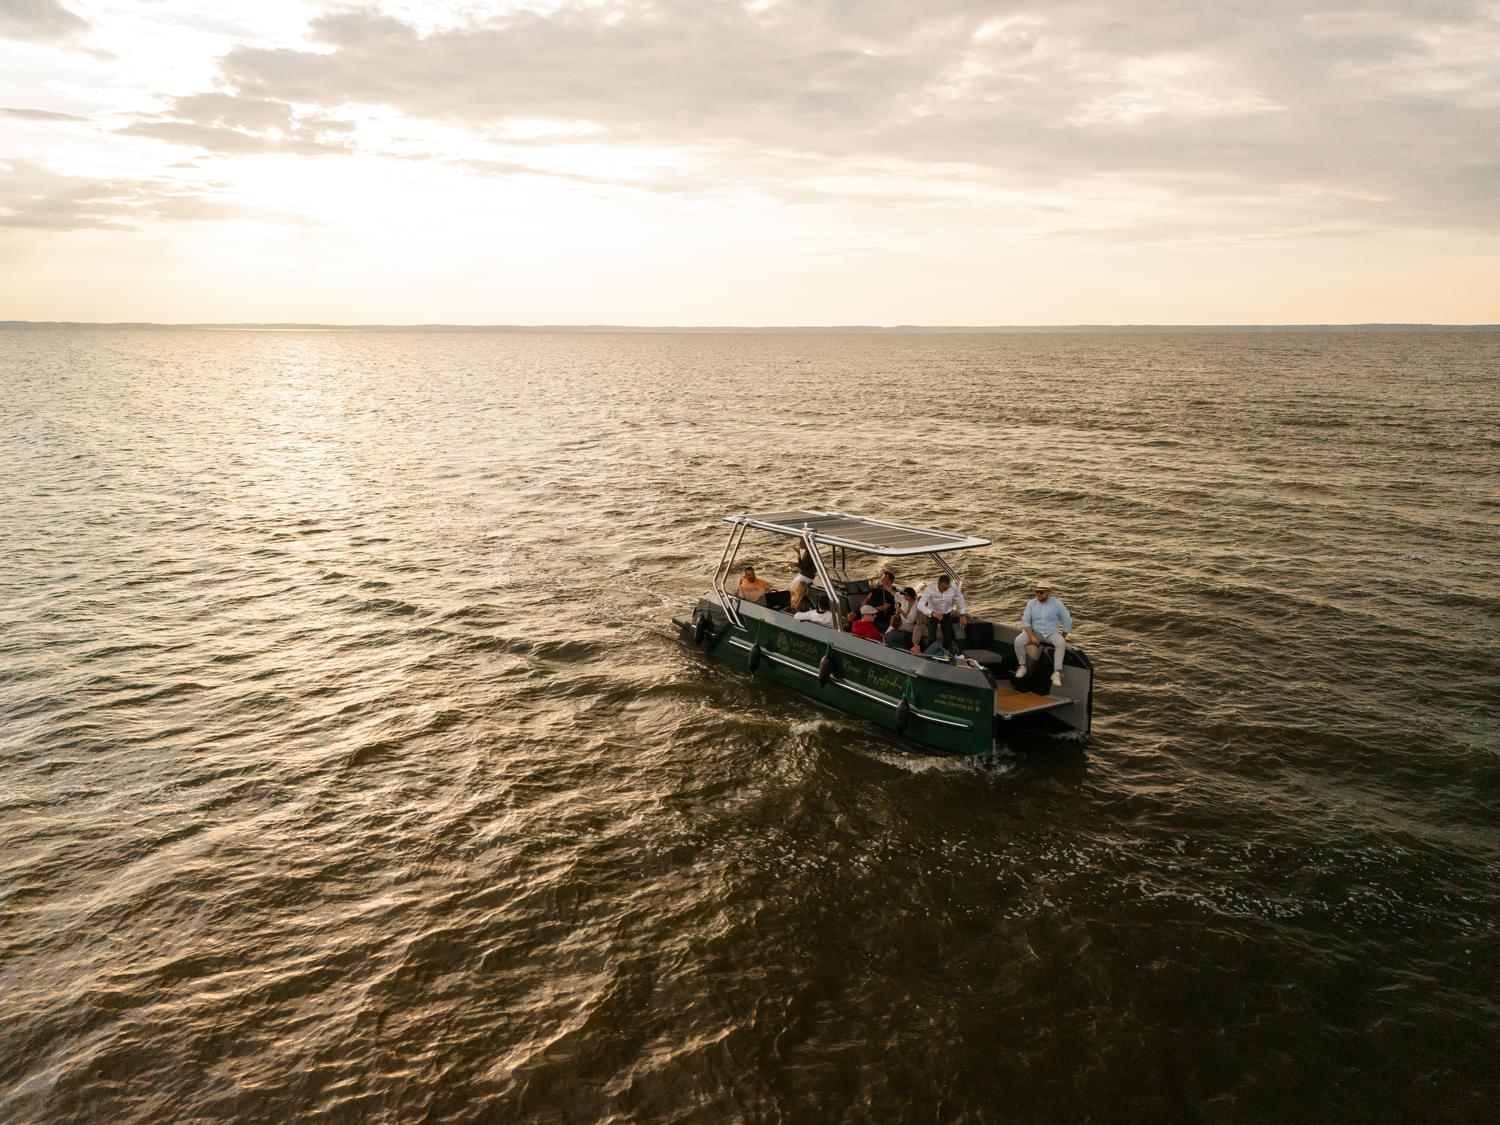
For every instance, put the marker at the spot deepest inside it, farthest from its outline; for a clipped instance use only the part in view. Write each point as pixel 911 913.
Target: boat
pixel 962 703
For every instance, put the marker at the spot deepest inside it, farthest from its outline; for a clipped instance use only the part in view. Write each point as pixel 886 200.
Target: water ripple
pixel 351 770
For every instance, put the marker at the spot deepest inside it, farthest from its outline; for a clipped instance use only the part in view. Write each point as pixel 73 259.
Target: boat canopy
pixel 874 537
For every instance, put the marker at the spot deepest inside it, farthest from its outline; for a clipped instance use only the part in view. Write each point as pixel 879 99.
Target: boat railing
pixel 834 578
pixel 729 602
pixel 811 538
pixel 948 570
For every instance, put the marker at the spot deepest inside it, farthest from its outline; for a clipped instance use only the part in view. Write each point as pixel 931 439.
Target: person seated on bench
pixel 903 620
pixel 883 598
pixel 865 627
pixel 942 603
pixel 799 597
pixel 753 589
pixel 1044 621
pixel 822 615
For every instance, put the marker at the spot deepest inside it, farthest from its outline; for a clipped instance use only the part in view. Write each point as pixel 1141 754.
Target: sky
pixel 770 162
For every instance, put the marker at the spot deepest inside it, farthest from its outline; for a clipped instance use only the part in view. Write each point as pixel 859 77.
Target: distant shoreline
pixel 810 330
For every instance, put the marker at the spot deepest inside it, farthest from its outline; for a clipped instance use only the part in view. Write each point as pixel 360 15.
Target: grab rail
pixel 721 576
pixel 811 538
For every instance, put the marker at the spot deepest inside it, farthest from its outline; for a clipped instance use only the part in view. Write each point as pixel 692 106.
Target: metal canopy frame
pixel 858 533
pixel 835 529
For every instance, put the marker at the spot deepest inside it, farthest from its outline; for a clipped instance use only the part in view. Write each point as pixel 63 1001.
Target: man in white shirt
pixel 1045 621
pixel 823 615
pixel 942 603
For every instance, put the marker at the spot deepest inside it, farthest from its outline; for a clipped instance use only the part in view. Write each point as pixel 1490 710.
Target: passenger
pixel 753 589
pixel 921 631
pixel 883 598
pixel 803 563
pixel 941 604
pixel 1044 621
pixel 798 597
pixel 865 626
pixel 903 620
pixel 822 615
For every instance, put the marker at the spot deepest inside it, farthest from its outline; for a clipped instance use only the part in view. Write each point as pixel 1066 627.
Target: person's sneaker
pixel 1021 672
pixel 1057 679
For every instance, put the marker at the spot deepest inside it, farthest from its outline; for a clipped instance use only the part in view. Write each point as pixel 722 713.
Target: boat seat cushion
pixel 979 634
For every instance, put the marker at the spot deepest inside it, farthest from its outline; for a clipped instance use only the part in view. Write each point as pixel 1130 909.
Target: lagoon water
pixel 350 770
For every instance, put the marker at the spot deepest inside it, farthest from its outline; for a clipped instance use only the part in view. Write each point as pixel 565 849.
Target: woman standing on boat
pixel 804 560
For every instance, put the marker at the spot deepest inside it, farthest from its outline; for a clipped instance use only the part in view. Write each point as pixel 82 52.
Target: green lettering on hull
pixel 795 647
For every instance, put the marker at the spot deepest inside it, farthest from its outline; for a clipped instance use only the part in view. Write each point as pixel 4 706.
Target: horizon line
pixel 954 329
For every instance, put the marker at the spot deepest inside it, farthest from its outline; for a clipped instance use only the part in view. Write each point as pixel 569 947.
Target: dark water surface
pixel 349 768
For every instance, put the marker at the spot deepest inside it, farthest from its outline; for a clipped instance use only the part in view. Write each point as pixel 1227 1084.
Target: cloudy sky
pixel 755 162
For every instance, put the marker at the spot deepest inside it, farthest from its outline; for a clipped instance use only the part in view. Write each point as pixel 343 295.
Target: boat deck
pixel 1009 703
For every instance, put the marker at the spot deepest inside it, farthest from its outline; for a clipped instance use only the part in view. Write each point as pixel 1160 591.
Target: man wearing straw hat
pixel 1045 621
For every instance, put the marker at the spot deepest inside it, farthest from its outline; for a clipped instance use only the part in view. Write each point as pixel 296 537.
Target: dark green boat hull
pixel 940 707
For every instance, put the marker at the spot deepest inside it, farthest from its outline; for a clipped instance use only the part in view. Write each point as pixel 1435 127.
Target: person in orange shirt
pixel 753 589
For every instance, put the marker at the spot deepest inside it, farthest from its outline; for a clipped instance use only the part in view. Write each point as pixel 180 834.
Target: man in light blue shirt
pixel 1046 621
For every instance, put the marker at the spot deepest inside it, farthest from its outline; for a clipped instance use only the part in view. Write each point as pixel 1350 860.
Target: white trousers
pixel 1060 646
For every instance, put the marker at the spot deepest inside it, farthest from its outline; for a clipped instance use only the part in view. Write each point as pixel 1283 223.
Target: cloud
pixel 33 196
pixel 39 21
pixel 38 114
pixel 1371 112
pixel 1391 100
pixel 229 125
pixel 227 142
pixel 504 169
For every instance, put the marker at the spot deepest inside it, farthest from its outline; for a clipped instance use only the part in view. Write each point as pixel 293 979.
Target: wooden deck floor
pixel 1008 701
